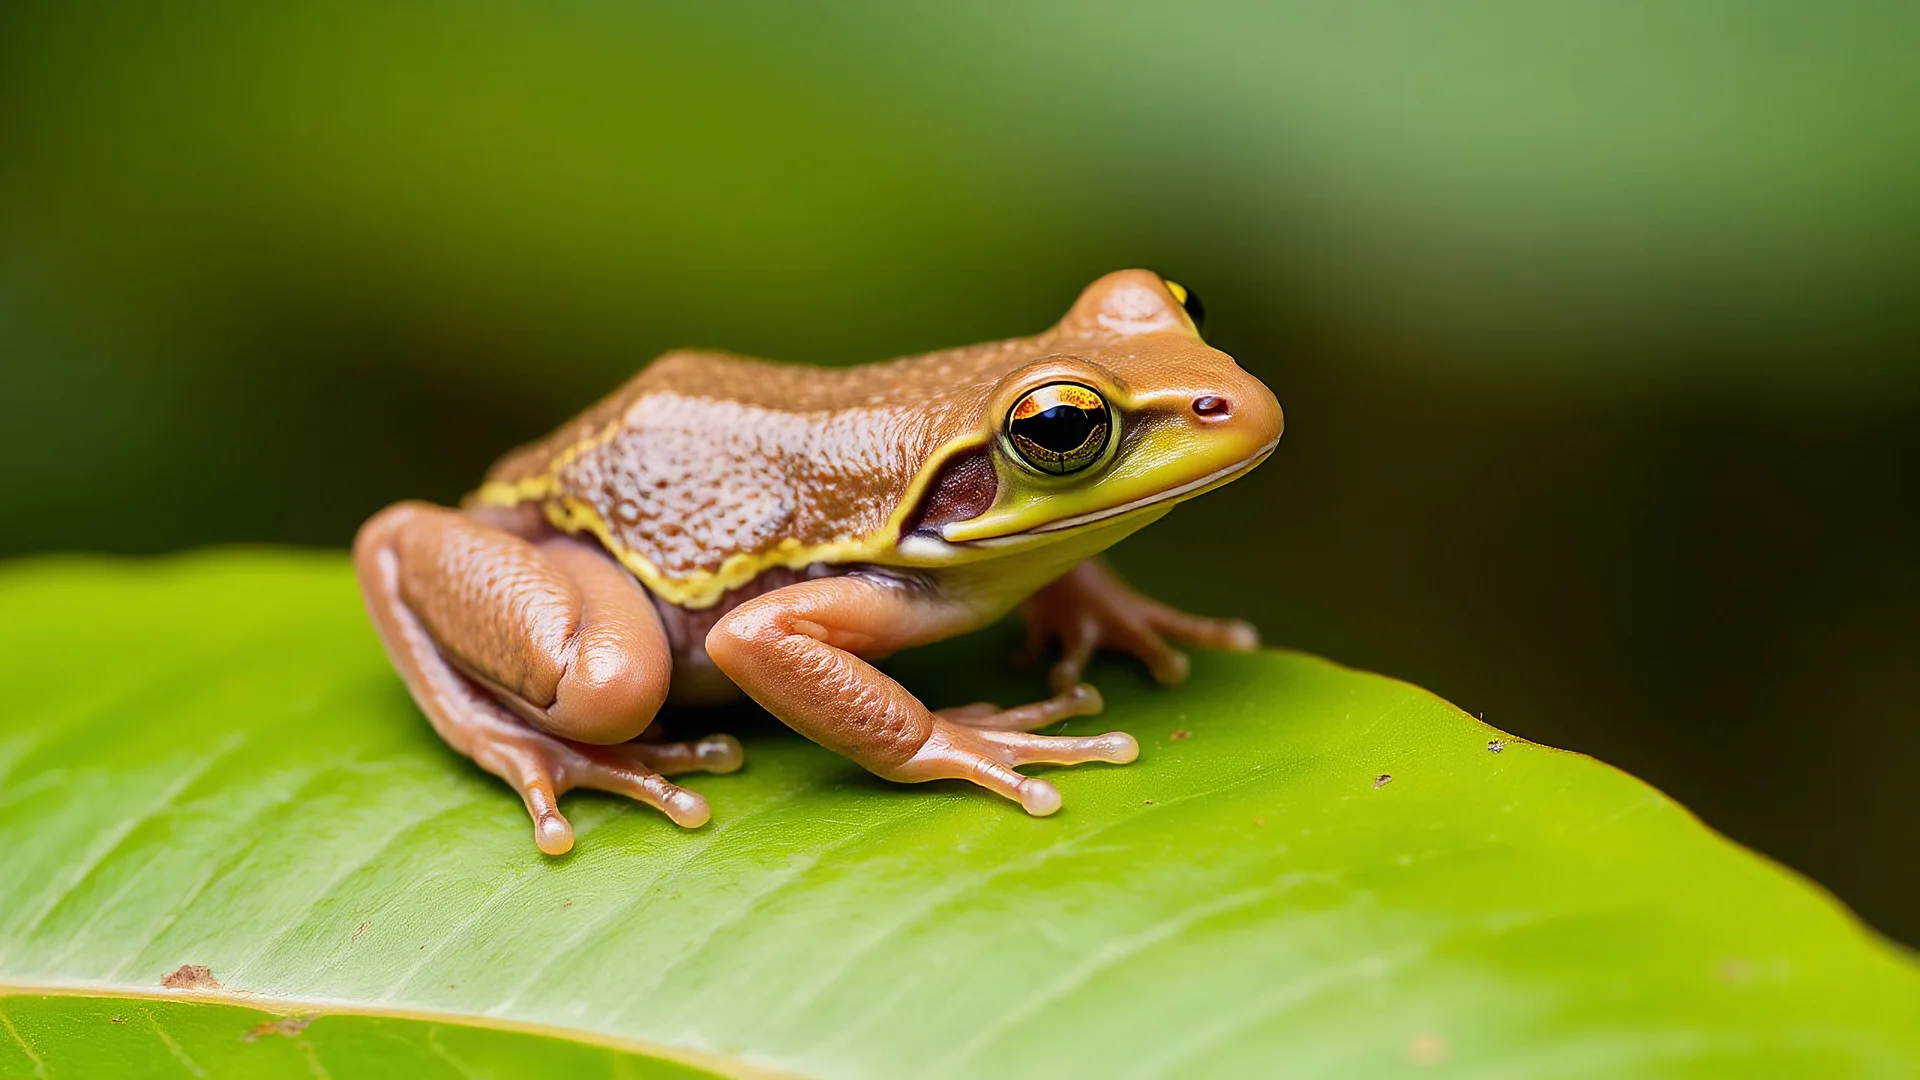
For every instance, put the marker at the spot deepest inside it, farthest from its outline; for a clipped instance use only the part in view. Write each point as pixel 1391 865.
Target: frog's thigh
pixel 455 564
pixel 797 652
pixel 553 626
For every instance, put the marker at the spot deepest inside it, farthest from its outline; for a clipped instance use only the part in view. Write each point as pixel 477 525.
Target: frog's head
pixel 1124 412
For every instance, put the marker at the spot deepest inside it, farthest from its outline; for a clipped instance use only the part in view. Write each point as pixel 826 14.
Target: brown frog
pixel 721 525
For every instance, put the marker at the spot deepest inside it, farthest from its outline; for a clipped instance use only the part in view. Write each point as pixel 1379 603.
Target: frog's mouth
pixel 1181 493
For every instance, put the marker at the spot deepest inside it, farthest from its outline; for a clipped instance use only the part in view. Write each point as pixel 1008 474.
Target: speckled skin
pixel 711 455
pixel 722 525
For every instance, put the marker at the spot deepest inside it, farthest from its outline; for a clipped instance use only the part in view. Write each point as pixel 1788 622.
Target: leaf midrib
pixel 314 1008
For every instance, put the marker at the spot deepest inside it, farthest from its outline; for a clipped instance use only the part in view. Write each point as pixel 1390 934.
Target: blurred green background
pixel 1595 323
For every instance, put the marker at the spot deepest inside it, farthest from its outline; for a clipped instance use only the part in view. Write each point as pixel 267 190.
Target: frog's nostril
pixel 1211 407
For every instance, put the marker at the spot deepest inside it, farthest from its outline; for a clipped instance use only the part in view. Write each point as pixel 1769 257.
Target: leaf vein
pixel 112 903
pixel 386 842
pixel 638 896
pixel 235 857
pixel 459 930
pixel 39 1063
pixel 116 836
pixel 1226 1024
pixel 753 903
pixel 1107 956
pixel 173 1046
pixel 963 887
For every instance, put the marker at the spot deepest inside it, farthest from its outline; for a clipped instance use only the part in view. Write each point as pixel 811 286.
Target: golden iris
pixel 1060 428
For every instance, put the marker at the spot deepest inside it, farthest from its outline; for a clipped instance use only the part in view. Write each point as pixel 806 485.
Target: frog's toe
pixel 1168 665
pixel 1019 748
pixel 1079 640
pixel 622 776
pixel 714 754
pixel 1077 700
pixel 720 754
pixel 1229 635
pixel 552 833
pixel 684 808
pixel 988 757
pixel 1037 797
pixel 540 774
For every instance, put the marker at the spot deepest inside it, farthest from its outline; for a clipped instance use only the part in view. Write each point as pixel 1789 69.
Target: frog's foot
pixel 543 767
pixel 1078 700
pixel 986 756
pixel 1091 608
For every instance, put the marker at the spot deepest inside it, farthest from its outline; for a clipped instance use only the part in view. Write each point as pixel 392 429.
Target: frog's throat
pixel 1178 494
pixel 887 545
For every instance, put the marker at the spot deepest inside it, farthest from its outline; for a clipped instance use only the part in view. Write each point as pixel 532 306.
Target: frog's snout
pixel 1247 412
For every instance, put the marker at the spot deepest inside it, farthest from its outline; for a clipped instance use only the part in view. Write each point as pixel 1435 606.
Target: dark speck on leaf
pixel 1382 781
pixel 1496 745
pixel 1179 733
pixel 117 1019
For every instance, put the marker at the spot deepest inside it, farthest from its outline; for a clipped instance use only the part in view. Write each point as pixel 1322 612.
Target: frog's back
pixel 707 469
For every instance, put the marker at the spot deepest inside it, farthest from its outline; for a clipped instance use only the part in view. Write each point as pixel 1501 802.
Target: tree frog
pixel 721 525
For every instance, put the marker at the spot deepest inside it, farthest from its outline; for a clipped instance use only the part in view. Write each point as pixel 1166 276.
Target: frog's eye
pixel 1190 300
pixel 1060 428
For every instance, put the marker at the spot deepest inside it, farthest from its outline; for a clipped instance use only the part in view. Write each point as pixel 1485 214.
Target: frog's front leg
pixel 798 652
pixel 532 656
pixel 1090 608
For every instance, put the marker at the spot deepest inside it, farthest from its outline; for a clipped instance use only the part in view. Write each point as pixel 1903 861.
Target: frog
pixel 721 526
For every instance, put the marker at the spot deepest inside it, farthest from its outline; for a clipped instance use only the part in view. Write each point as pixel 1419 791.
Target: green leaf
pixel 70 1035
pixel 207 761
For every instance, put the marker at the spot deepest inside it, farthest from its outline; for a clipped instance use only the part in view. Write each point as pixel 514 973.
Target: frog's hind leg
pixel 530 656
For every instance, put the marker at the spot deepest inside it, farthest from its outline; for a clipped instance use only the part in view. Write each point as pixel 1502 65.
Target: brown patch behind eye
pixel 964 489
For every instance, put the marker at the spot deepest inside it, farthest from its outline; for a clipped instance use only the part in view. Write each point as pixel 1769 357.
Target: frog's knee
pixel 750 638
pixel 378 532
pixel 610 692
pixel 746 627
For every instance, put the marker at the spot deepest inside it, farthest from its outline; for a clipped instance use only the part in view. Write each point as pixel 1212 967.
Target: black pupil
pixel 1061 428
